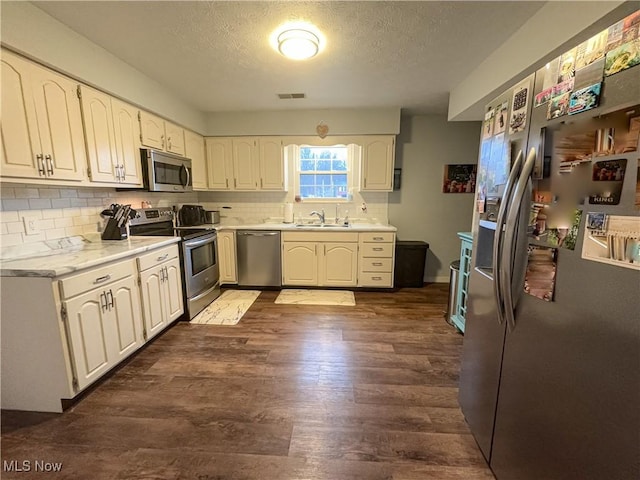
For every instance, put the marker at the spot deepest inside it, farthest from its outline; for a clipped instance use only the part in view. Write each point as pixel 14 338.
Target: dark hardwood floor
pixel 291 392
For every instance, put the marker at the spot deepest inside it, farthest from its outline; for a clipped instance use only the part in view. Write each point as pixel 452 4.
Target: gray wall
pixel 419 209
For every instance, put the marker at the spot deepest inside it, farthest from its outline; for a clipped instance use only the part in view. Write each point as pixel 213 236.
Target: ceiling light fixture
pixel 297 41
pixel 298 44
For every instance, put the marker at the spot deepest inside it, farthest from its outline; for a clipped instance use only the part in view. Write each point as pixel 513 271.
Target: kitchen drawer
pixel 95 278
pixel 376 250
pixel 375 237
pixel 373 279
pixel 322 236
pixel 376 265
pixel 156 257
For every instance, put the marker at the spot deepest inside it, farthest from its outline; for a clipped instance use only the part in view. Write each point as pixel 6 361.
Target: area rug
pixel 228 308
pixel 316 297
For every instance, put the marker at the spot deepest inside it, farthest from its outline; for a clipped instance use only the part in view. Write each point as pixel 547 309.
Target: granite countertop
pixel 60 257
pixel 291 227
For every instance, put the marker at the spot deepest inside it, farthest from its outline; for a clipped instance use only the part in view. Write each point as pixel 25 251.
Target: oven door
pixel 201 270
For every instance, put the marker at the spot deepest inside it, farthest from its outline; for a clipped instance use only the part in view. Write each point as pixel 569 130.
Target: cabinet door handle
pixel 227 182
pixel 166 274
pixel 316 249
pixel 40 162
pixel 122 173
pixel 49 162
pixel 162 275
pixel 324 250
pixel 168 143
pixel 118 178
pixel 162 141
pixel 261 185
pixel 110 299
pixel 235 183
pixel 101 279
pixel 105 305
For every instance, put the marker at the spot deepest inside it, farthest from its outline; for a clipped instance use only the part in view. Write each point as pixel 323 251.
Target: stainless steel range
pixel 198 255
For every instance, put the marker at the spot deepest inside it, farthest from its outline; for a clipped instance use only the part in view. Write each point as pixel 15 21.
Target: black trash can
pixel 411 257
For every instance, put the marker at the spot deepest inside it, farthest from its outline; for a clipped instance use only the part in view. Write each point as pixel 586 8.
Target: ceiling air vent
pixel 289 96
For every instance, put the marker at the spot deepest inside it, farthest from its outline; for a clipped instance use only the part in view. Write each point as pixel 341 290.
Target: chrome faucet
pixel 320 215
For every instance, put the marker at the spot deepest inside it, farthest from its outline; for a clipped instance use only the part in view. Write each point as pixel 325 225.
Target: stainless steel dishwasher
pixel 259 262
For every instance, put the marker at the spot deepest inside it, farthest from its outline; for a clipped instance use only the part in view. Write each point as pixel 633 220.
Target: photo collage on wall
pixel 573 81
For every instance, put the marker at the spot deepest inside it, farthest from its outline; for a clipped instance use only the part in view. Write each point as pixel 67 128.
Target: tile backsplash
pixel 66 211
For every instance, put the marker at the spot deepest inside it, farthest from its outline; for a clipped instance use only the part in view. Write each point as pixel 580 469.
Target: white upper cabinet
pixel 219 163
pixel 112 137
pixel 157 133
pixel 272 165
pixel 194 149
pixel 127 135
pixel 246 163
pixel 378 153
pixel 41 127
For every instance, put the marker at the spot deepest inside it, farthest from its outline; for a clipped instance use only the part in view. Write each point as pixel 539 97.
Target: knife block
pixel 113 232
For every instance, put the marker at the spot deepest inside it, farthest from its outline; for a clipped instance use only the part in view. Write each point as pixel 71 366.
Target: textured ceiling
pixel 216 55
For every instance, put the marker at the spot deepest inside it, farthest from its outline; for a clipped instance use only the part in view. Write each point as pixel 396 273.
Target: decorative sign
pixel 519 108
pixel 584 99
pixel 609 175
pixel 500 123
pixel 459 178
pixel 623 57
pixel 558 106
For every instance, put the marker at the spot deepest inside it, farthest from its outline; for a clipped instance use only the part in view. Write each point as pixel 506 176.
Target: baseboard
pixel 437 279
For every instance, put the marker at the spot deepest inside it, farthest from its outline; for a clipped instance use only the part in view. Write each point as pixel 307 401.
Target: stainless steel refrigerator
pixel 551 386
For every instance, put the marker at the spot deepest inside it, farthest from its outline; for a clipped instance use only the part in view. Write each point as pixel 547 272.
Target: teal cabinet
pixel 460 310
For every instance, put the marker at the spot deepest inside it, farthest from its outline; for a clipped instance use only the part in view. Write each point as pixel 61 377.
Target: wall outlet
pixel 31 225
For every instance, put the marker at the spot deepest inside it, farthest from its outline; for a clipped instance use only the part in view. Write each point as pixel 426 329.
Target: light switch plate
pixel 31 225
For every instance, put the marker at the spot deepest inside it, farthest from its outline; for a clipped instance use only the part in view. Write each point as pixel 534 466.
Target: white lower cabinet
pixel 161 289
pixel 376 259
pixel 227 257
pixel 104 328
pixel 322 259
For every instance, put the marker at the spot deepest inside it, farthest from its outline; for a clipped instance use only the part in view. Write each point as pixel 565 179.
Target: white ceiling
pixel 216 56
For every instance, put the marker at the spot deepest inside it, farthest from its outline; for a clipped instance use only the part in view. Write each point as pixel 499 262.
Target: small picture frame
pixel 459 178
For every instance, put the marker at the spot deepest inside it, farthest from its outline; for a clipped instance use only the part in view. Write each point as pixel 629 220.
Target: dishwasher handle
pixel 259 234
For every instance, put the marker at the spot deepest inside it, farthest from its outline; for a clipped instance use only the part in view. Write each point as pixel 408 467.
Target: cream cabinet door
pixel 300 263
pixel 245 164
pixel 173 290
pixel 127 142
pixel 152 133
pixel 154 307
pixel 20 151
pixel 99 135
pixel 194 149
pixel 219 163
pixel 339 264
pixel 124 307
pixel 175 138
pixel 90 334
pixel 59 124
pixel 272 166
pixel 227 257
pixel 377 163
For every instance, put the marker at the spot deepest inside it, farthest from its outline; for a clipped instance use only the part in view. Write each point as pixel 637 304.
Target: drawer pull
pixel 378 238
pixel 377 264
pixel 377 249
pixel 376 278
pixel 163 257
pixel 102 279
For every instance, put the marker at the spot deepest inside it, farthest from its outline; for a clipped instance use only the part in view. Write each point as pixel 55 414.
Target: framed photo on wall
pixel 459 178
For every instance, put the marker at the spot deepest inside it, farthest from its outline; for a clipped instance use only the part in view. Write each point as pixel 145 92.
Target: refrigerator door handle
pixel 500 232
pixel 517 210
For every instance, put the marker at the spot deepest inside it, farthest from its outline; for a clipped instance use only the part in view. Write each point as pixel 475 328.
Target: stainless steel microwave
pixel 165 172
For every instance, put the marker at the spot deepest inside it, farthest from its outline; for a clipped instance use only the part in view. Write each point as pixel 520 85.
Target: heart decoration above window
pixel 322 130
